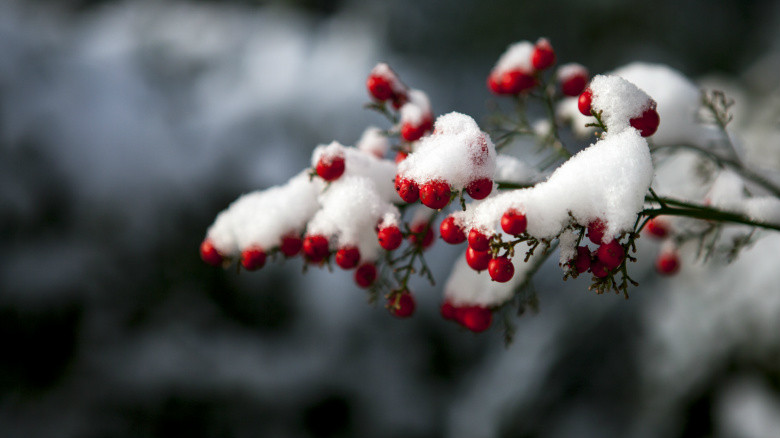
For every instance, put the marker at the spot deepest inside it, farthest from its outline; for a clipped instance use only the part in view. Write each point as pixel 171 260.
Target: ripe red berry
pixel 668 263
pixel 477 260
pixel 611 254
pixel 647 123
pixel 582 261
pixel 407 189
pixel 411 132
pixel 448 311
pixel 390 238
pixel 475 318
pixel 494 84
pixel 596 231
pixel 574 85
pixel 501 269
pixel 379 87
pixel 348 257
pixel 598 268
pixel 435 194
pixel 209 254
pixel 543 56
pixel 513 222
pixel 585 101
pixel 516 82
pixel 291 245
pixel 657 227
pixel 480 188
pixel 400 156
pixel 478 241
pixel 253 258
pixel 401 305
pixel 315 248
pixel 417 230
pixel 330 168
pixel 451 232
pixel 365 275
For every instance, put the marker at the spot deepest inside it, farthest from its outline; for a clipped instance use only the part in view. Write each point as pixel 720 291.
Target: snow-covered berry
pixel 291 245
pixel 647 123
pixel 401 305
pixel 543 56
pixel 513 222
pixel 501 269
pixel 209 254
pixel 451 232
pixel 365 275
pixel 516 82
pixel 435 194
pixel 390 237
pixel 585 102
pixel 596 231
pixel 478 240
pixel 477 260
pixel 480 188
pixel 315 248
pixel 348 257
pixel 407 189
pixel 253 258
pixel 573 79
pixel 379 87
pixel 668 263
pixel 414 131
pixel 330 168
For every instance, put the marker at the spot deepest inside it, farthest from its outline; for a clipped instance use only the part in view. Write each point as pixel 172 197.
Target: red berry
pixel 543 56
pixel 253 258
pixel 451 232
pixel 501 269
pixel 315 248
pixel 611 254
pixel 365 275
pixel 435 194
pixel 390 238
pixel 291 245
pixel 402 305
pixel 668 263
pixel 209 254
pixel 400 156
pixel 330 168
pixel 585 101
pixel 516 81
pixel 582 261
pixel 657 227
pixel 475 318
pixel 596 231
pixel 407 189
pixel 347 257
pixel 412 132
pixel 574 85
pixel 477 260
pixel 480 188
pixel 494 85
pixel 647 123
pixel 417 231
pixel 478 241
pixel 598 268
pixel 448 311
pixel 513 222
pixel 379 87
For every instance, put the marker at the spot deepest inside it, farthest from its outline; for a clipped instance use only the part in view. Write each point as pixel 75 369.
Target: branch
pixel 686 209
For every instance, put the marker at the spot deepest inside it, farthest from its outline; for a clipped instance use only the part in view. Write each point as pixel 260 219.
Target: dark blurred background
pixel 126 126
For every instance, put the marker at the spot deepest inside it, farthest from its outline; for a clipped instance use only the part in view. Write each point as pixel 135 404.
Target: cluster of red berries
pixel 668 262
pixel 647 123
pixel 254 257
pixel 475 318
pixel 383 85
pixel 436 194
pixel 605 259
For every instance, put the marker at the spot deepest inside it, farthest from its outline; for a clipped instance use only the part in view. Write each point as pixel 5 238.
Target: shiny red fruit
pixel 582 261
pixel 448 311
pixel 480 188
pixel 475 318
pixel 315 248
pixel 574 85
pixel 494 84
pixel 347 257
pixel 451 232
pixel 379 87
pixel 657 228
pixel 417 231
pixel 585 101
pixel 390 238
pixel 647 123
pixel 477 260
pixel 598 268
pixel 403 307
pixel 501 269
pixel 516 82
pixel 365 275
pixel 291 245
pixel 611 254
pixel 596 231
pixel 668 263
pixel 407 189
pixel 543 56
pixel 253 258
pixel 513 222
pixel 435 194
pixel 209 254
pixel 330 168
pixel 478 241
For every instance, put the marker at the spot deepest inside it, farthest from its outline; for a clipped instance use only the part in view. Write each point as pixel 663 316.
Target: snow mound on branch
pixel 514 170
pixel 418 110
pixel 567 71
pixel 359 162
pixel 619 100
pixel 457 152
pixel 516 57
pixel 607 181
pixel 262 217
pixel 372 141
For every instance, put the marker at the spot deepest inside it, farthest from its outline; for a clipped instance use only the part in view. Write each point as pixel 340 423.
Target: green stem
pixel 681 208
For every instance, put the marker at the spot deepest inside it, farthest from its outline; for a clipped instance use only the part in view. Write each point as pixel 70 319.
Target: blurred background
pixel 126 126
